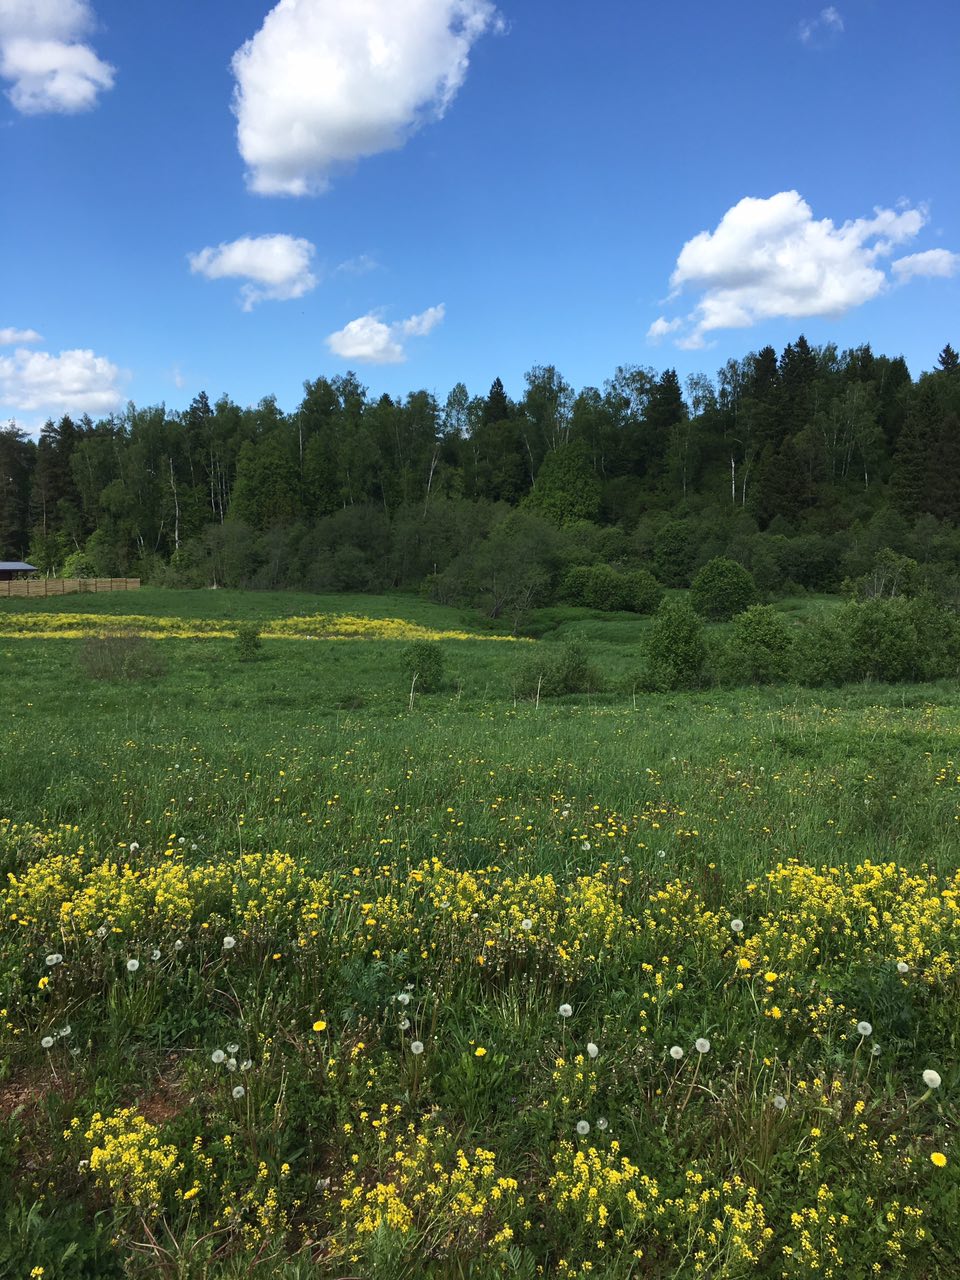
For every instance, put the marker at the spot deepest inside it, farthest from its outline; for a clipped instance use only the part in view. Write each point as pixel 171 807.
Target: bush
pixel 553 670
pixel 423 661
pixel 646 592
pixel 248 641
pixel 673 553
pixel 115 657
pixel 675 648
pixel 760 648
pixel 722 589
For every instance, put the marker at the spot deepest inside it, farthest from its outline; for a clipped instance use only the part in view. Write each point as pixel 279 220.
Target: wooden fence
pixel 33 587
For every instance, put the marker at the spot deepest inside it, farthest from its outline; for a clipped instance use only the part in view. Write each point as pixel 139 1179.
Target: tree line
pixel 801 466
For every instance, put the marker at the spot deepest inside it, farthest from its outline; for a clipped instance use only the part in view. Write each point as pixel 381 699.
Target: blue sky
pixel 429 191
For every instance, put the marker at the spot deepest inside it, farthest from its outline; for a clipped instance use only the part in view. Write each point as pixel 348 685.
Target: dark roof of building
pixel 17 566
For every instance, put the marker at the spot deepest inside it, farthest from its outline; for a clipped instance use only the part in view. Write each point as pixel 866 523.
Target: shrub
pixel 673 553
pixel 423 661
pixel 646 592
pixel 116 657
pixel 722 589
pixel 553 670
pixel 249 642
pixel 760 649
pixel 676 651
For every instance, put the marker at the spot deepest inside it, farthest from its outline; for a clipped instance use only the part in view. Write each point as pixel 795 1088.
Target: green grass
pixel 312 750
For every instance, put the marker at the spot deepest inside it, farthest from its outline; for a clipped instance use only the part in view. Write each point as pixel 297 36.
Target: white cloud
pixel 71 382
pixel 358 266
pixel 370 341
pixel 278 266
pixel 326 82
pixel 44 57
pixel 933 262
pixel 771 258
pixel 816 31
pixel 16 337
pixel 661 327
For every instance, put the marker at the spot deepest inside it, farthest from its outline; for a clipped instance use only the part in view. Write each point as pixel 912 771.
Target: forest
pixel 801 467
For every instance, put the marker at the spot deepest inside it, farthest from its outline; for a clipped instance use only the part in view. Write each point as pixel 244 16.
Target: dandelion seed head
pixel 229 943
pixel 592 1049
pixel 565 1011
pixel 676 1053
pixel 46 1042
pixel 902 967
pixel 526 924
pixel 583 1127
pixel 133 966
pixel 238 1091
pixel 178 945
pixel 702 1044
pixel 217 1056
pixel 404 1024
pixel 403 998
pixel 155 953
pixel 779 1101
pixel 736 926
pixel 65 1031
pixel 231 1064
pixel 864 1029
pixel 932 1079
pixel 54 958
pixel 416 1047
pixel 102 931
pixel 603 1124
pixel 233 1048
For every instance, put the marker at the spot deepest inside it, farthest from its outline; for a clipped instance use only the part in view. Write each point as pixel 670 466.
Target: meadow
pixel 305 976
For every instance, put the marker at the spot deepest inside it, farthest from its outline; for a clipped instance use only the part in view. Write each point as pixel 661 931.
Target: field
pixel 307 975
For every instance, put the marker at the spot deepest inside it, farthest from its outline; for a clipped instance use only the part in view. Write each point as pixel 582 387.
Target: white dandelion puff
pixel 603 1124
pixel 246 1064
pixel 702 1044
pixel 54 958
pixel 404 1024
pixel 592 1049
pixel 864 1029
pixel 902 967
pixel 217 1056
pixel 229 943
pixel 102 931
pixel 736 926
pixel 526 925
pixel 676 1053
pixel 133 966
pixel 155 953
pixel 238 1091
pixel 583 1128
pixel 65 1031
pixel 565 1011
pixel 178 945
pixel 403 998
pixel 231 1064
pixel 779 1101
pixel 46 1042
pixel 233 1048
pixel 932 1079
pixel 416 1047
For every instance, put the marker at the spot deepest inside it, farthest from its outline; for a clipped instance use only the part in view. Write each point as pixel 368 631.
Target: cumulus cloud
pixel 933 262
pixel 274 267
pixel 771 258
pixel 43 55
pixel 370 341
pixel 815 32
pixel 16 337
pixel 71 382
pixel 326 82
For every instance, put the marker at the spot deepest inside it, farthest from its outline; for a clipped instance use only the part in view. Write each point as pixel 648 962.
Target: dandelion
pixel 320 1025
pixel 404 1024
pixel 229 943
pixel 54 958
pixel 938 1158
pixel 46 1042
pixel 182 840
pixel 416 1047
pixel 238 1092
pixel 583 1128
pixel 479 1051
pixel 736 926
pixel 217 1056
pixel 932 1079
pixel 864 1029
pixel 592 1050
pixel 233 1048
pixel 603 1124
pixel 780 1102
pixel 231 1064
pixel 155 953
pixel 178 945
pixel 102 931
pixel 902 967
pixel 565 1011
pixel 676 1053
pixel 133 966
pixel 702 1044
pixel 586 846
pixel 134 847
pixel 875 1051
pixel 65 1031
pixel 526 924
pixel 403 998
pixel 246 1064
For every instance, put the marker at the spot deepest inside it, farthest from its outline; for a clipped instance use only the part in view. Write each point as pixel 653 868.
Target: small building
pixel 10 569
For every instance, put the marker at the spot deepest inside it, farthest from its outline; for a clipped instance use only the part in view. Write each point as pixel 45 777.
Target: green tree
pixel 675 649
pixel 722 589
